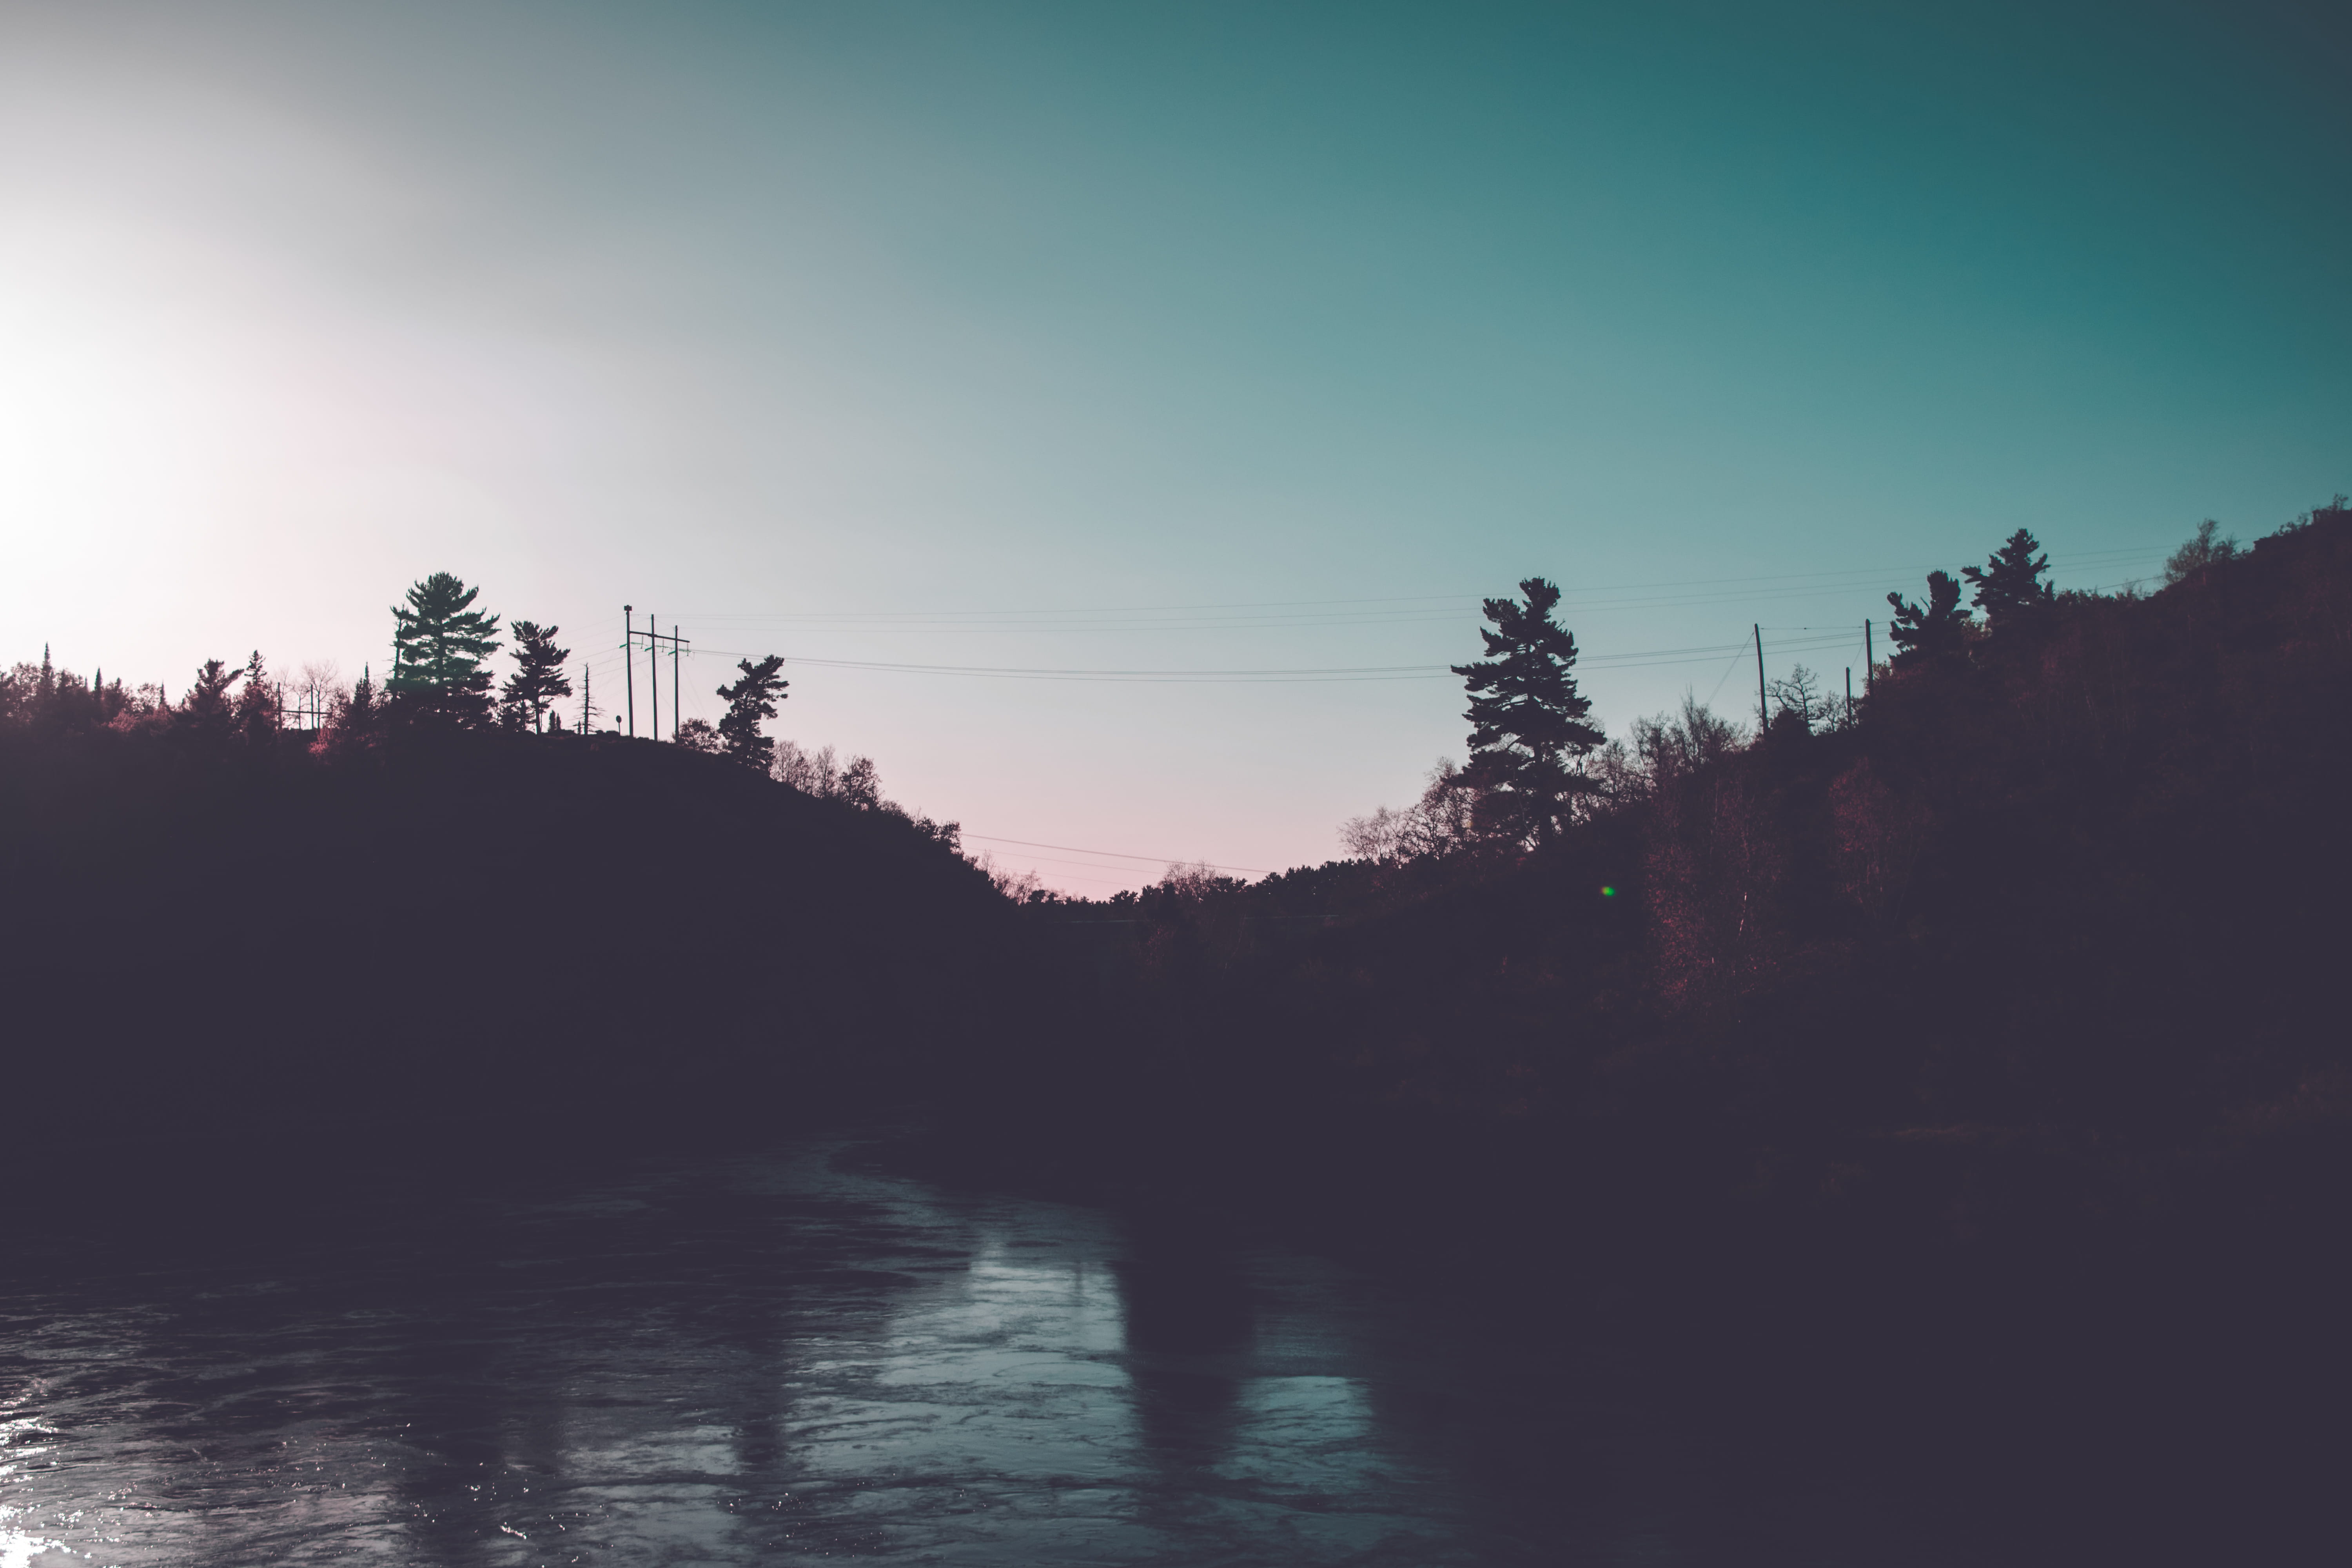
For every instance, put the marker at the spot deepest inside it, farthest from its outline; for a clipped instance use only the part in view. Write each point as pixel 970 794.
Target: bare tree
pixel 1196 881
pixel 1374 838
pixel 1674 744
pixel 810 772
pixel 1801 694
pixel 1438 824
pixel 314 693
pixel 1019 887
pixel 860 786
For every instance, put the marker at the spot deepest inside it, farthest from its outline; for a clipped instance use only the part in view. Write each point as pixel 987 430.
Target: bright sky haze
pixel 1079 339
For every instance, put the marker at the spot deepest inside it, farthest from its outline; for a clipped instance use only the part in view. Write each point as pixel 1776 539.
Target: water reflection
pixel 758 1359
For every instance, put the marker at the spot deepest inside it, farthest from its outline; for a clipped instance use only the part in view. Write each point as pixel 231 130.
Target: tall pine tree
pixel 1932 633
pixel 1527 719
pixel 258 714
pixel 206 708
pixel 538 681
pixel 749 700
pixel 2009 586
pixel 442 641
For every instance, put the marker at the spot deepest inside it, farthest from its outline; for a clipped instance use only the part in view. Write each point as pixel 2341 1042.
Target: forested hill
pixel 2050 936
pixel 251 939
pixel 2047 933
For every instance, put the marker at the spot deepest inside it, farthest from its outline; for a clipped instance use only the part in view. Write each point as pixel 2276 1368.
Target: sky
pixel 1115 413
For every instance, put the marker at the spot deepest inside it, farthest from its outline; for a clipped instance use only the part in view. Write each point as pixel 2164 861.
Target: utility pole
pixel 652 673
pixel 587 694
pixel 629 670
pixel 1849 694
pixel 1869 658
pixel 1763 714
pixel 654 651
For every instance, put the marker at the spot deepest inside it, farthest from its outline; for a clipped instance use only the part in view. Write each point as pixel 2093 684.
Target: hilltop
pixel 2041 943
pixel 251 942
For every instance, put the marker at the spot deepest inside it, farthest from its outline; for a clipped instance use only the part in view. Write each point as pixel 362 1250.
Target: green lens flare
pixel 1608 893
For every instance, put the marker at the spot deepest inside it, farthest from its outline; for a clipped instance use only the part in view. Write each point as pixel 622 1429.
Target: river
pixel 800 1355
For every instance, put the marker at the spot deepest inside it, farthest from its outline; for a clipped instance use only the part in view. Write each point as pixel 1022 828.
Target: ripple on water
pixel 752 1359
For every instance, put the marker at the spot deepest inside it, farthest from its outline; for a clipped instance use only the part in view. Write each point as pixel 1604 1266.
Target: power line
pixel 1088 865
pixel 1146 677
pixel 1585 598
pixel 1703 654
pixel 1119 855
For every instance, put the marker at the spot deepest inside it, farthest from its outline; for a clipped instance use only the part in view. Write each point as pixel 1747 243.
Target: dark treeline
pixel 2031 942
pixel 2036 947
pixel 1973 1053
pixel 438 919
pixel 1983 1036
pixel 2044 930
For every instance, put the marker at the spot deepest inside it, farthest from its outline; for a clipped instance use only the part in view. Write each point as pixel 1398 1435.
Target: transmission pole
pixel 1763 714
pixel 654 651
pixel 628 667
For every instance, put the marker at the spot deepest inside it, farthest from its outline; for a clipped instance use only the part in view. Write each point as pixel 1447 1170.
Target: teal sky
pixel 1040 336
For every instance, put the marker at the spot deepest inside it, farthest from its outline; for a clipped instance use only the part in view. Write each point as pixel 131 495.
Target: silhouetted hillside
pixel 254 943
pixel 2045 945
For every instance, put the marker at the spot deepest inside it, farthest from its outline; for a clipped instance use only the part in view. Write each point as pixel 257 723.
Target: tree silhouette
pixel 860 786
pixel 442 642
pixel 539 678
pixel 810 772
pixel 1527 719
pixel 256 705
pixel 749 700
pixel 2204 549
pixel 1439 824
pixel 356 718
pixel 2009 586
pixel 207 708
pixel 1930 633
pixel 1801 702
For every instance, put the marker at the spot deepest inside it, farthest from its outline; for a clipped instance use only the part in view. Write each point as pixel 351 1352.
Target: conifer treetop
pixel 749 700
pixel 2010 585
pixel 1527 717
pixel 442 641
pixel 1937 629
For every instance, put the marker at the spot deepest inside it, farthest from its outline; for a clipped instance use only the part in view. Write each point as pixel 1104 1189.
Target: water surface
pixel 792 1355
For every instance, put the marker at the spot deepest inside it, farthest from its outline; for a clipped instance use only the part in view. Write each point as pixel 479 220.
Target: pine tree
pixel 539 678
pixel 2009 586
pixel 207 708
pixel 749 700
pixel 256 705
pixel 442 642
pixel 1932 634
pixel 1527 719
pixel 354 720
